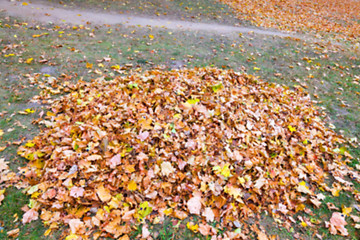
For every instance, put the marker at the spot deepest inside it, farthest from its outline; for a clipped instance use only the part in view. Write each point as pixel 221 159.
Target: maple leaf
pixel 143 135
pixel 260 182
pixel 144 209
pixel 142 157
pixel 208 214
pixel 167 168
pixel 132 186
pixel 76 226
pixel 204 229
pixel 29 216
pixel 193 227
pixel 128 215
pixel 194 205
pixel 338 223
pixel 103 193
pixel 114 161
pixel 302 187
pixel 77 192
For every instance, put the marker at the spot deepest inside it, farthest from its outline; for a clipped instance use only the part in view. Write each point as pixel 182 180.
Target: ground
pixel 71 42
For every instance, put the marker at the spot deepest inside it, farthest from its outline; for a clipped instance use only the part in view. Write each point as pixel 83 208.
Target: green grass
pixel 69 50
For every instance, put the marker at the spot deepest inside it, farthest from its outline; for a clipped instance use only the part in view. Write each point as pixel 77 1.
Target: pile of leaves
pixel 329 16
pixel 214 143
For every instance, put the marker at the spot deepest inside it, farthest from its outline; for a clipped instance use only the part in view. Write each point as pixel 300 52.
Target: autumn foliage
pixel 323 16
pixel 214 143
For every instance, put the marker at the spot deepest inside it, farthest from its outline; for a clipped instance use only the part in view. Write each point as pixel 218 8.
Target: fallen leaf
pixel 13 233
pixel 132 186
pixel 103 193
pixel 208 214
pixel 76 226
pixel 3 164
pixel 115 161
pixel 338 223
pixel 143 136
pixel 145 233
pixel 204 229
pixel 77 192
pixel 167 168
pixel 194 205
pixel 29 216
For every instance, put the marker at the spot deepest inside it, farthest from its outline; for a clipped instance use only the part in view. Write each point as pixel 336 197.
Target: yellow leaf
pixel 72 237
pixel 1 132
pixel 192 227
pixel 25 4
pixel 193 101
pixel 132 186
pixel 225 171
pixel 292 129
pixel 29 60
pixel 2 191
pixel 303 224
pixel 346 211
pixel 89 65
pixel 151 37
pixel 144 210
pixel 116 67
pixel 47 232
pixel 256 68
pixel 335 192
pixel 168 211
pixel 29 110
pixel 29 144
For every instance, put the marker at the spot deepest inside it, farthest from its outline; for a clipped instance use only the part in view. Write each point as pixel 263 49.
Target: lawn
pixel 33 56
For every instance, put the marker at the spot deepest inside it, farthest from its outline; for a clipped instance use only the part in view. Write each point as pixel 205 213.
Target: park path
pixel 44 13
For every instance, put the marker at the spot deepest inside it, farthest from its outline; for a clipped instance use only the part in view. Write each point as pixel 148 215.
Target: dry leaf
pixel 208 214
pixel 145 233
pixel 30 215
pixel 167 168
pixel 338 223
pixel 115 161
pixel 194 205
pixel 204 229
pixel 103 193
pixel 76 226
pixel 13 233
pixel 77 192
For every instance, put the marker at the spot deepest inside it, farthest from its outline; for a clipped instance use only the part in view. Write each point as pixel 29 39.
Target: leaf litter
pixel 319 16
pixel 215 143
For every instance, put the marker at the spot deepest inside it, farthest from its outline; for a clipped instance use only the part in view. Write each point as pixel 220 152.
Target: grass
pixel 211 11
pixel 327 72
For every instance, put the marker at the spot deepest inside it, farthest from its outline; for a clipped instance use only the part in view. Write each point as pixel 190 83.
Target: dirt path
pixel 43 13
